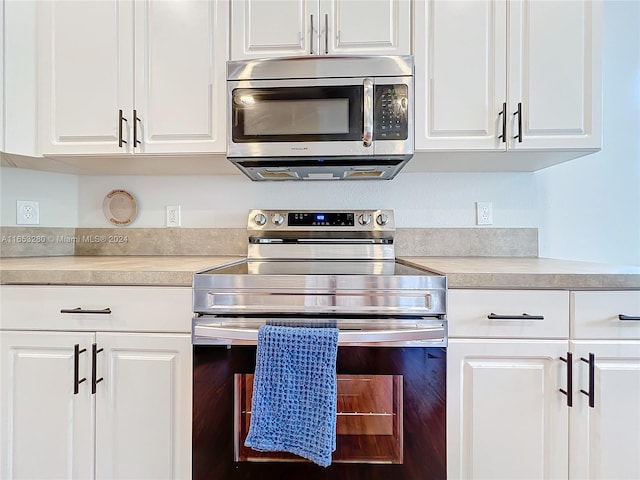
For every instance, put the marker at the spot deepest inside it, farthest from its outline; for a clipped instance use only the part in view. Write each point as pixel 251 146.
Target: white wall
pixel 587 209
pixel 56 193
pixel 590 207
pixel 419 199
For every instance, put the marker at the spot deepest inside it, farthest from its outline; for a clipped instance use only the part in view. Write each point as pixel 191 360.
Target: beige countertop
pixel 519 272
pixel 462 272
pixel 107 270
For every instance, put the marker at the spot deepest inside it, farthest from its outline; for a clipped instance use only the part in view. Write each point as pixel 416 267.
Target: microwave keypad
pixel 390 112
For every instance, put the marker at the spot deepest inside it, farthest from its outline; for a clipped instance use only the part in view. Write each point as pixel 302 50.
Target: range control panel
pixel 282 220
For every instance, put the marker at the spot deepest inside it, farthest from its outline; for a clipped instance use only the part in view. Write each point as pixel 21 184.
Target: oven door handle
pixel 345 337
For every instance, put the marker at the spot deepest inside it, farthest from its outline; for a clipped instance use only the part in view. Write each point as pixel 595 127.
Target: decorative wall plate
pixel 119 207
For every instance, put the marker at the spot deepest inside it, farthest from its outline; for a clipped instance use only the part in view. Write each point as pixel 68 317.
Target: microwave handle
pixel 367 133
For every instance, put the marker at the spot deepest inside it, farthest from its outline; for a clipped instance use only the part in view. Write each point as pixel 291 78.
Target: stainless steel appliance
pixel 324 268
pixel 320 118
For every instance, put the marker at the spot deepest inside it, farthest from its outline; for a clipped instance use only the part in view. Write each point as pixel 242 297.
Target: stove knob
pixel 260 219
pixel 364 219
pixel 382 219
pixel 277 219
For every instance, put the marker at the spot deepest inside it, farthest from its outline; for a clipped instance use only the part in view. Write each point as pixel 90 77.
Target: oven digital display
pixel 317 219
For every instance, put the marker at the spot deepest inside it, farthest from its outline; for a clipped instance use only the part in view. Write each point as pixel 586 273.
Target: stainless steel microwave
pixel 320 118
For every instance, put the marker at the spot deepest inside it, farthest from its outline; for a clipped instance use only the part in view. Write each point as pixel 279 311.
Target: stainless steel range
pixel 318 268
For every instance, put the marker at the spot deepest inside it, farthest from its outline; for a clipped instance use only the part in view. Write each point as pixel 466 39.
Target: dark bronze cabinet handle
pixel 629 317
pixel 504 122
pixel 76 368
pixel 592 379
pixel 311 38
pixel 524 316
pixel 121 140
pixel 519 114
pixel 94 368
pixel 105 311
pixel 569 391
pixel 136 142
pixel 326 34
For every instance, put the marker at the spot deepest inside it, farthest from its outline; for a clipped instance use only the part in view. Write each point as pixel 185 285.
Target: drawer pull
pixel 106 311
pixel 524 316
pixel 592 379
pixel 629 317
pixel 76 368
pixel 569 391
pixel 94 368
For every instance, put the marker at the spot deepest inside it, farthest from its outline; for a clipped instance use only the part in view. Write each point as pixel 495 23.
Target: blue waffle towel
pixel 295 392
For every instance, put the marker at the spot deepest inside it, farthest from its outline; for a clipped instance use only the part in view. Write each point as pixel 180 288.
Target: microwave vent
pixel 278 175
pixel 365 174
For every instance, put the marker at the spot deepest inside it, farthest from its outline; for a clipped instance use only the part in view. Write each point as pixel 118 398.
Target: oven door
pixel 391 406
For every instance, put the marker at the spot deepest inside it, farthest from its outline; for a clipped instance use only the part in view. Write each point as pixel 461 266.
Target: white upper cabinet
pixel 180 89
pixel 507 74
pixel 86 74
pixel 460 74
pixel 555 74
pixel 119 76
pixel 279 28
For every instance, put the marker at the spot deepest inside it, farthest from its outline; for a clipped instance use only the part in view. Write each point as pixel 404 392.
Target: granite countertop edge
pixel 461 272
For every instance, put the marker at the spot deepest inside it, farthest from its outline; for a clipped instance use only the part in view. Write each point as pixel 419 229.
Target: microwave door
pixel 293 118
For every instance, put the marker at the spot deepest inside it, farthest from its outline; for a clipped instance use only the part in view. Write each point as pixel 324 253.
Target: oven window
pixel 297 114
pixel 368 424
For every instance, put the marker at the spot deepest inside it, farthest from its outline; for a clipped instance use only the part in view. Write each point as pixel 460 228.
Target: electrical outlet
pixel 27 213
pixel 173 215
pixel 484 213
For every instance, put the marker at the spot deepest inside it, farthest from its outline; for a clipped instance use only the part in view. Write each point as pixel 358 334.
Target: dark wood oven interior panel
pixel 406 386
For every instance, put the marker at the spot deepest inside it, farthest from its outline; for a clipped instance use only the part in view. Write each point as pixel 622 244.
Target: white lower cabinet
pixel 143 406
pixel 506 418
pixel 605 437
pixel 95 404
pixel 139 417
pixel 46 431
pixel 605 418
pixel 517 408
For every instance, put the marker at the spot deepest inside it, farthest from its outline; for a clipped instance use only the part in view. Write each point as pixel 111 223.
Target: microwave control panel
pixel 391 106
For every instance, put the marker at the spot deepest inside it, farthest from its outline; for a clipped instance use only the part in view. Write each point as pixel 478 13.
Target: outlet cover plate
pixel 484 213
pixel 173 216
pixel 27 212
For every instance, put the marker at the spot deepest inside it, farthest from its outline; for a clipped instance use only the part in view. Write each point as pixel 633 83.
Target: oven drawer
pixel 508 313
pixel 104 308
pixel 605 315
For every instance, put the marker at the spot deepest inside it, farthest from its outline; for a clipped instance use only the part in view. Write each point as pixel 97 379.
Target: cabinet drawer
pixel 469 312
pixel 135 309
pixel 595 315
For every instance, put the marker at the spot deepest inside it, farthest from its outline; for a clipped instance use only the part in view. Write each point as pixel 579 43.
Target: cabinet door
pixel 180 76
pixel 143 411
pixel 377 27
pixel 460 74
pixel 274 28
pixel 605 438
pixel 46 431
pixel 506 418
pixel 554 72
pixel 86 75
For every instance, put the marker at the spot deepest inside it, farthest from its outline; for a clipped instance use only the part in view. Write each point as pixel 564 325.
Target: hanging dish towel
pixel 295 392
